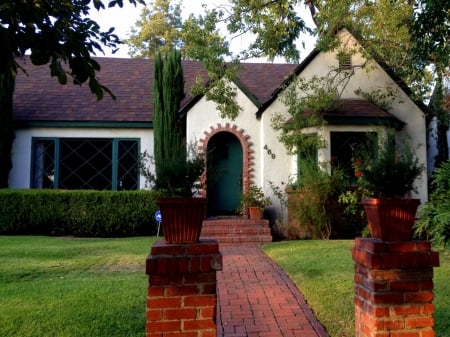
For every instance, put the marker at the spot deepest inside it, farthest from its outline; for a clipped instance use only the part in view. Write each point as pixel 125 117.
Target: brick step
pixel 247 231
pixel 237 230
pixel 240 239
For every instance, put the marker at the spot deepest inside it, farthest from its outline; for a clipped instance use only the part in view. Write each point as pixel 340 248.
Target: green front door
pixel 224 174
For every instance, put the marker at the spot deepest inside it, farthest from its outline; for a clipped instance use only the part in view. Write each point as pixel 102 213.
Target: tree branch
pixel 312 9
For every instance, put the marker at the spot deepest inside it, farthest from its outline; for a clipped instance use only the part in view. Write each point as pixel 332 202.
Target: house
pixel 66 139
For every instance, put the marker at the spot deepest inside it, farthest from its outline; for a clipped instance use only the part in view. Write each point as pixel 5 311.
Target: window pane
pixel 127 176
pixel 44 164
pixel 86 164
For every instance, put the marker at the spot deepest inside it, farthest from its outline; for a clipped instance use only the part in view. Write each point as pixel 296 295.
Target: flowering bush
pixel 387 170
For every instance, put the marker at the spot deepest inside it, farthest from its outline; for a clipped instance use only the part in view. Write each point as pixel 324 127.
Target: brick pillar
pixel 394 288
pixel 181 297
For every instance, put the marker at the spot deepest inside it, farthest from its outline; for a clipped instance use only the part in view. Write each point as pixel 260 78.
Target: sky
pixel 124 18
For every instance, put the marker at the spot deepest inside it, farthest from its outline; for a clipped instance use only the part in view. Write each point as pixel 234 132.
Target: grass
pixel 324 270
pixel 64 287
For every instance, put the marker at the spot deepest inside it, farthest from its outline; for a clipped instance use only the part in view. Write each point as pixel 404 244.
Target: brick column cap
pixel 377 254
pixel 184 258
pixel 201 247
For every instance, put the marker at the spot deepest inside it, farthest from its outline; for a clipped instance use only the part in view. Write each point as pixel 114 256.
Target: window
pixel 344 145
pixel 82 163
pixel 345 61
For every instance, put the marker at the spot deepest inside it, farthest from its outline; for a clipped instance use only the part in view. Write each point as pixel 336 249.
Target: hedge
pixel 78 213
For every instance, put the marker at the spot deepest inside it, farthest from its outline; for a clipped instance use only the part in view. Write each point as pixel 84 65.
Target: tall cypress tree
pixel 158 113
pixel 169 147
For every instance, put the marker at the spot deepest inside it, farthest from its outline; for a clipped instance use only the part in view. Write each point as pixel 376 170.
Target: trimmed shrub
pixel 78 213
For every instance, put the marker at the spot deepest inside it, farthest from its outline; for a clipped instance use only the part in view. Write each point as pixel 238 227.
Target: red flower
pixel 358 174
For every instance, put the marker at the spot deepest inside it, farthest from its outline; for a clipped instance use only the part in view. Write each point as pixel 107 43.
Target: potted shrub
pixel 386 172
pixel 254 201
pixel 182 210
pixel 178 167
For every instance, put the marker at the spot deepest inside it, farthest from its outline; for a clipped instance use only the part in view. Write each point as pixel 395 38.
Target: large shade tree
pixel 57 33
pixel 158 29
pixel 409 35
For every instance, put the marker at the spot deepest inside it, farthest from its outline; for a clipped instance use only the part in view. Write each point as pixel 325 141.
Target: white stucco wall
pixel 21 152
pixel 279 170
pixel 204 117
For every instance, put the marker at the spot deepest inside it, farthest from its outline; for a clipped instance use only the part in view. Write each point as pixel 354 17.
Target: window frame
pixel 115 142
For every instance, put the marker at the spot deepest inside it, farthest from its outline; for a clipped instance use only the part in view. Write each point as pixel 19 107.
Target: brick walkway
pixel 257 299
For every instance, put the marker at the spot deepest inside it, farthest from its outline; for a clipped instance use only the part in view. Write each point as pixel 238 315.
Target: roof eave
pixel 83 124
pixel 358 120
pixel 308 59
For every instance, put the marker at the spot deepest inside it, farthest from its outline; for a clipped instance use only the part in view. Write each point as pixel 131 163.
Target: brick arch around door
pixel 248 160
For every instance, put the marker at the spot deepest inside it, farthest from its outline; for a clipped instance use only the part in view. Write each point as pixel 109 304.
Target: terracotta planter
pixel 182 218
pixel 391 219
pixel 255 213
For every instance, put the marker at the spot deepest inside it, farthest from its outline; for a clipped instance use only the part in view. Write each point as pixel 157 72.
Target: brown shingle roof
pixel 39 97
pixel 263 80
pixel 356 108
pixel 359 111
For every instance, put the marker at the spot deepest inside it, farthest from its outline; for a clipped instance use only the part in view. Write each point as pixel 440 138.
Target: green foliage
pixel 79 213
pixel 54 32
pixel 57 33
pixel 318 186
pixel 382 98
pixel 434 216
pixel 177 168
pixel 354 210
pixel 387 167
pixel 254 197
pixel 383 28
pixel 306 99
pixel 203 42
pixel 275 24
pixel 429 31
pixel 158 29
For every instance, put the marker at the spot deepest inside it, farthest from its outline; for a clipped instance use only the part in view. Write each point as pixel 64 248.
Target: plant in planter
pixel 386 172
pixel 254 201
pixel 312 196
pixel 178 168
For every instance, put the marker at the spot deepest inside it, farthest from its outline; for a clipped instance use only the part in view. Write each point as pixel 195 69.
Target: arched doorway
pixel 224 174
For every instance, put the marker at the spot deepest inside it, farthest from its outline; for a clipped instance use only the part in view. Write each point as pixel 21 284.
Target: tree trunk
pixel 443 124
pixel 7 80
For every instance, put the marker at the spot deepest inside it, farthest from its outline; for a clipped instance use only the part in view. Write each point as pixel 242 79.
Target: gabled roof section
pixel 262 81
pixel 300 67
pixel 287 79
pixel 397 79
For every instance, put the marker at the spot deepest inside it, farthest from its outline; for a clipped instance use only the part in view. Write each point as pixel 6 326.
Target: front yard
pixel 70 287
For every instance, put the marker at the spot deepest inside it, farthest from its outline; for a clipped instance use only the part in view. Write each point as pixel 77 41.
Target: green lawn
pixel 323 271
pixel 64 287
